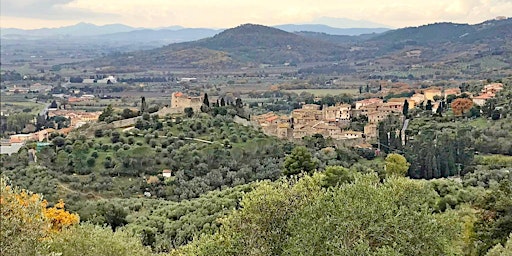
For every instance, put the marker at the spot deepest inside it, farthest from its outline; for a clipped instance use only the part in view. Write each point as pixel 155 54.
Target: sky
pixel 30 14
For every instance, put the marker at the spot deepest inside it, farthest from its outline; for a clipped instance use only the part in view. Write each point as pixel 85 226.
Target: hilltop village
pixel 334 121
pixel 310 119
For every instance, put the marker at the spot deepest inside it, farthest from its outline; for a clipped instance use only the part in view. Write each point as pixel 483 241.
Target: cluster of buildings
pixel 85 97
pixel 17 141
pixel 333 121
pixel 37 88
pixel 77 118
pixel 329 121
pixel 106 80
pixel 488 92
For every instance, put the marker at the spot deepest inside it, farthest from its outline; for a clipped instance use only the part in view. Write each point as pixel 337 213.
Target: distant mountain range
pixel 80 29
pixel 319 28
pixel 252 44
pixel 242 45
pixel 168 34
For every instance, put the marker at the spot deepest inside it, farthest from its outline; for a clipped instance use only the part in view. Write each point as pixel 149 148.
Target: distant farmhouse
pixel 106 80
pixel 180 101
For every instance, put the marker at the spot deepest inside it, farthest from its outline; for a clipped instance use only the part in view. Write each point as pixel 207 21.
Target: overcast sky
pixel 230 13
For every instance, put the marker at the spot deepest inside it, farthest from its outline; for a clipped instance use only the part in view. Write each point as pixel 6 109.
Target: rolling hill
pixel 320 28
pixel 251 45
pixel 244 45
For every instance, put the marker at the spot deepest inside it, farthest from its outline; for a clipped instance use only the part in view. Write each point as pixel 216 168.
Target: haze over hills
pixel 80 29
pixel 243 45
pixel 256 44
pixel 319 28
pixel 347 23
pixel 114 30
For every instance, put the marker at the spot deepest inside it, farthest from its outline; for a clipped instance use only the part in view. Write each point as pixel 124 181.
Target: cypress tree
pixel 206 101
pixel 429 105
pixel 405 111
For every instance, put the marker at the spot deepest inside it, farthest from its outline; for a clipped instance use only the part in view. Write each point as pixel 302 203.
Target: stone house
pixel 481 99
pixel 412 103
pixel 417 98
pixel 181 101
pixel 352 135
pixel 273 124
pixel 166 173
pixel 309 113
pixel 451 91
pixel 366 102
pixel 431 93
pixel 370 131
pixel 284 131
pixel 492 88
pixel 337 113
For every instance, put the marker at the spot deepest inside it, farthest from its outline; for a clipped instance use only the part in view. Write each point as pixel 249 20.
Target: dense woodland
pixel 237 191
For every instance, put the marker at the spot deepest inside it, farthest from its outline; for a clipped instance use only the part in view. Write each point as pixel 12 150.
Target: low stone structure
pixel 181 101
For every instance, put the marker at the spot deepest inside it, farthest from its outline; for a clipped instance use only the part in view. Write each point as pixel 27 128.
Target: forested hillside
pixel 470 49
pixel 202 183
pixel 236 191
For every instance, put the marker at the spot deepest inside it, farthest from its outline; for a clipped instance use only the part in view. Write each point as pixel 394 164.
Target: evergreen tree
pixel 222 102
pixel 383 137
pixel 440 109
pixel 396 165
pixel 189 112
pixel 429 105
pixel 143 106
pixel 367 87
pixel 405 111
pixel 54 104
pixel 206 102
pixel 107 112
pixel 300 160
pixel 239 103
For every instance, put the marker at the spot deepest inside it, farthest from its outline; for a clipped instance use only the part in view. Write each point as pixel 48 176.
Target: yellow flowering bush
pixel 26 220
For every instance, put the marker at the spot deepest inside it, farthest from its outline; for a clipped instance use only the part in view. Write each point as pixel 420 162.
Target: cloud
pixel 46 9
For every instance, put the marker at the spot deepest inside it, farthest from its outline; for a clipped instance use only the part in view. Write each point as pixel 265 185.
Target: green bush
pixel 87 239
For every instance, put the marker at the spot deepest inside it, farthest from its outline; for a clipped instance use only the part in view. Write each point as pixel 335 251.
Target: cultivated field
pixel 323 92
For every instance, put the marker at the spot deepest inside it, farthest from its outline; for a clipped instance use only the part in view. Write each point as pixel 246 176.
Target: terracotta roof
pixel 432 89
pixel 15 140
pixel 65 130
pixel 363 145
pixel 450 91
pixel 484 96
pixel 371 100
pixel 400 100
pixel 272 118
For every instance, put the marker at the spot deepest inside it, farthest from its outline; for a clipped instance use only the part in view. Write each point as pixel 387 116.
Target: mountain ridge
pixel 89 29
pixel 247 44
pixel 252 45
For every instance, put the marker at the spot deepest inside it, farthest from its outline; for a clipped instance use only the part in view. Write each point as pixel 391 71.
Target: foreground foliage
pixel 29 227
pixel 365 217
pixel 87 239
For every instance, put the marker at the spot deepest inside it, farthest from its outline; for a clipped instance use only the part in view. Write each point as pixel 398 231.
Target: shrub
pixel 88 239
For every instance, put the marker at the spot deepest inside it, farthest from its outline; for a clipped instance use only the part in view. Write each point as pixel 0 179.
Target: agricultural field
pixel 324 92
pixel 12 104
